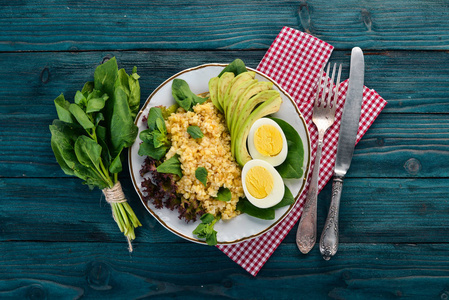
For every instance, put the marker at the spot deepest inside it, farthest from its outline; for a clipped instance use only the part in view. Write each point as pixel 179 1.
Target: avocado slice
pixel 251 91
pixel 249 106
pixel 233 100
pixel 213 89
pixel 223 83
pixel 241 151
pixel 234 85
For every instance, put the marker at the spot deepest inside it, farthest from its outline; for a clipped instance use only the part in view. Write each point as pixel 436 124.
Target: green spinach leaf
pixel 244 206
pixel 62 109
pixel 224 194
pixel 201 175
pixel 81 116
pixel 292 167
pixel 171 165
pixel 88 152
pixel 236 67
pixel 195 132
pixel 205 230
pixel 184 96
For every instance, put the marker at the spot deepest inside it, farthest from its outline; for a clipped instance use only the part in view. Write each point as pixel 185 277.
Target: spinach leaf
pixel 292 167
pixel 167 111
pixel 205 230
pixel 195 132
pixel 80 99
pixel 101 137
pixel 184 96
pixel 122 130
pixel 154 114
pixel 224 194
pixel 287 200
pixel 159 139
pixel 62 109
pixel 171 165
pixel 201 175
pixel 244 206
pixel 95 104
pixel 147 149
pixel 81 116
pixel 88 87
pixel 105 76
pixel 160 125
pixel 130 85
pixel 236 67
pixel 88 152
pixel 116 165
pixel 155 139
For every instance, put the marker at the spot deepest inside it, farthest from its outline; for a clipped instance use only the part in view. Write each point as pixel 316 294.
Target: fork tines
pixel 329 85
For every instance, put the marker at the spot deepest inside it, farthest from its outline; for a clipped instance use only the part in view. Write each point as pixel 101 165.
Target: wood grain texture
pixel 398 144
pixel 73 270
pixel 383 210
pixel 113 25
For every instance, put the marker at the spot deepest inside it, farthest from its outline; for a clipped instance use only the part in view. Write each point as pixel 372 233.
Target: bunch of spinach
pixel 90 134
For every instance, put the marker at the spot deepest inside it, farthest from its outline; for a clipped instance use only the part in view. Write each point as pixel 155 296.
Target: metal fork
pixel 323 117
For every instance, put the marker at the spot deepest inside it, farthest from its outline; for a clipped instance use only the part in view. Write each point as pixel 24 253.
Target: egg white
pixel 273 160
pixel 276 194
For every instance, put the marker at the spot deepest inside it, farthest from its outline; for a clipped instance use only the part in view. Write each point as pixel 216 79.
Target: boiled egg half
pixel 267 141
pixel 262 184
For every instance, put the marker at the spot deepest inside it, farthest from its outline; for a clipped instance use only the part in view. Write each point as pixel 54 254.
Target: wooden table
pixel 57 238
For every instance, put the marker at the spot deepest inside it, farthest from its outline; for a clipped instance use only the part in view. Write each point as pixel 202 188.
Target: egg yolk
pixel 259 182
pixel 268 140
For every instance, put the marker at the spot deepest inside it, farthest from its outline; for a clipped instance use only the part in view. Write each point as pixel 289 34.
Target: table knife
pixel 345 149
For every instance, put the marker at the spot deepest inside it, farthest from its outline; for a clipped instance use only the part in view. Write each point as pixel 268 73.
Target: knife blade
pixel 345 150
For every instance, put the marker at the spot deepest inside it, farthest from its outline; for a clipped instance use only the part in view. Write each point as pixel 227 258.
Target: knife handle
pixel 329 236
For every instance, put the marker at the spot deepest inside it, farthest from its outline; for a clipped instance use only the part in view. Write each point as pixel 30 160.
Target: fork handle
pixel 329 236
pixel 306 234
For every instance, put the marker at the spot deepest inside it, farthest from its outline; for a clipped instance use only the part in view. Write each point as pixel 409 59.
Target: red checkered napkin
pixel 294 61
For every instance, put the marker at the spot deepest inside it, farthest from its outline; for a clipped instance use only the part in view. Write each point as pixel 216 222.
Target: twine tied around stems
pixel 115 195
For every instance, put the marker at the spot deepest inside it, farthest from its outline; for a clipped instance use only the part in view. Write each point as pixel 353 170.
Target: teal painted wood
pixel 397 145
pixel 96 25
pixel 411 82
pixel 383 210
pixel 362 271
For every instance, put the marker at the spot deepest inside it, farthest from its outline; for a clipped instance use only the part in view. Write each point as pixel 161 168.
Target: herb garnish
pixel 201 175
pixel 195 132
pixel 205 230
pixel 224 194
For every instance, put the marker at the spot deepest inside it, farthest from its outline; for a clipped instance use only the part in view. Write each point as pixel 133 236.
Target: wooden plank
pixel 383 210
pixel 397 145
pixel 139 24
pixel 411 82
pixel 40 77
pixel 189 271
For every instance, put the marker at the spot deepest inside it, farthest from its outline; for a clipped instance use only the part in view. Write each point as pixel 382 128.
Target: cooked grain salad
pixel 212 152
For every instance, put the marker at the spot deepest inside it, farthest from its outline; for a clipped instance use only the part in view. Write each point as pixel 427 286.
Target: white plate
pixel 242 227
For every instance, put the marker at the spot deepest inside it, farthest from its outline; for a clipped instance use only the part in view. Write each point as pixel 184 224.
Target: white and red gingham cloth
pixel 294 61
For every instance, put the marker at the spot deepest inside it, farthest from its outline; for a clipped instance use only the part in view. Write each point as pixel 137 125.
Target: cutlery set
pixel 323 118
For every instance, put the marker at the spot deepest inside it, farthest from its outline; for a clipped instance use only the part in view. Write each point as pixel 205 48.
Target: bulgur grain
pixel 213 152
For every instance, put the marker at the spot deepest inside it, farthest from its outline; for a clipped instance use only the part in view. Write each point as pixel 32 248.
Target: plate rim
pixel 306 172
